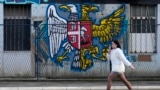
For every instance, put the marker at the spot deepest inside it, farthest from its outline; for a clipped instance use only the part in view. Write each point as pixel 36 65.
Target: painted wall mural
pixel 72 33
pixel 20 1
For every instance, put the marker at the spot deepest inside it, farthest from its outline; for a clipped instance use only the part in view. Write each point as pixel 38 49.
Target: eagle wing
pixel 57 30
pixel 111 26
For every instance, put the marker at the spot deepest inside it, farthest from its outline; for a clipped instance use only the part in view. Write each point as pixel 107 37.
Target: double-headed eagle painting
pixel 80 38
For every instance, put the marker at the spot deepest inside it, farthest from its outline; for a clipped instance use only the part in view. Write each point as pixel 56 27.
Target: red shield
pixel 79 34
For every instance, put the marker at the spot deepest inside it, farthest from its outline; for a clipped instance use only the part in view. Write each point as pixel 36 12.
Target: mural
pixel 72 33
pixel 20 1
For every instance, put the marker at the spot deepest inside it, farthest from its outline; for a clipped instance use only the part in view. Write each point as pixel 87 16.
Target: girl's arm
pixel 124 60
pixel 108 54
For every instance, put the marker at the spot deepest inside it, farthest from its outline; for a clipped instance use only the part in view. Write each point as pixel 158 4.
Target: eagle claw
pixel 61 58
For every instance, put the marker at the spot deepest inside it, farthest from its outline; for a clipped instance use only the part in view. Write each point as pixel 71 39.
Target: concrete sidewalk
pixel 76 85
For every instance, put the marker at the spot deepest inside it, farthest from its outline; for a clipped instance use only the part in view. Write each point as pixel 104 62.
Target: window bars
pixel 17 27
pixel 143 29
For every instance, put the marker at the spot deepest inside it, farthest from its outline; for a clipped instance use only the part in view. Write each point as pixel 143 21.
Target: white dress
pixel 118 60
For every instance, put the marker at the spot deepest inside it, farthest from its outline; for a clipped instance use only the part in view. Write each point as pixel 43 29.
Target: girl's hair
pixel 117 43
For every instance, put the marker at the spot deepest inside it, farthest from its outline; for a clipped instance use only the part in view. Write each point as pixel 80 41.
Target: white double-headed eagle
pixel 57 28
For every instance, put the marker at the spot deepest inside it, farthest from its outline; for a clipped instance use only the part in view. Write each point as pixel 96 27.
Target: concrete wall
pixel 1 38
pixel 13 63
pixel 17 64
pixel 152 67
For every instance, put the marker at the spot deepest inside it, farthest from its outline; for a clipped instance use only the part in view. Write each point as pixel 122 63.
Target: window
pixel 17 27
pixel 143 29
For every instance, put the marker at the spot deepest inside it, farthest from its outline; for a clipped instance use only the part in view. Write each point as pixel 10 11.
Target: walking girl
pixel 118 61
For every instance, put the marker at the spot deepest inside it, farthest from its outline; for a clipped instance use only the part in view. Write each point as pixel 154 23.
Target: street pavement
pixel 76 85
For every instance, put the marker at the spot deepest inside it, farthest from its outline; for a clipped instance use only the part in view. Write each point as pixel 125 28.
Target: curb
pixel 82 88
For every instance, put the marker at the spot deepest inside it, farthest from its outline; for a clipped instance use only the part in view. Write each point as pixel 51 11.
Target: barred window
pixel 17 27
pixel 143 29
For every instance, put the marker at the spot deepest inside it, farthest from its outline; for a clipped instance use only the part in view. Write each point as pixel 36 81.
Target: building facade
pixel 69 39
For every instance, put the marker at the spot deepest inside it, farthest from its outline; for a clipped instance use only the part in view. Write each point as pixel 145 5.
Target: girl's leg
pixel 125 81
pixel 110 78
